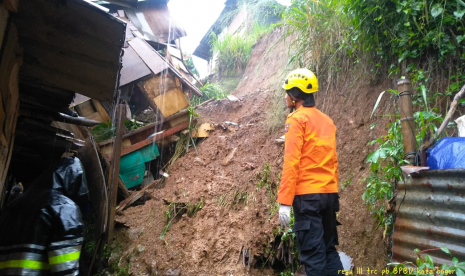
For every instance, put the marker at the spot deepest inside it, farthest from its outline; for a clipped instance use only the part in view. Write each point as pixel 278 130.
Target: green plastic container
pixel 132 165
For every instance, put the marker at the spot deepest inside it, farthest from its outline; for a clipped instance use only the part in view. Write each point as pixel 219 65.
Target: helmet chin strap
pixel 292 101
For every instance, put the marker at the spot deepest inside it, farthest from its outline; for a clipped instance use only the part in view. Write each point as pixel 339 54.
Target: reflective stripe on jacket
pixel 30 259
pixel 310 159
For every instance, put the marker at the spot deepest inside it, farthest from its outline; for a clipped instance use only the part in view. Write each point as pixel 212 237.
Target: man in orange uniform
pixel 309 181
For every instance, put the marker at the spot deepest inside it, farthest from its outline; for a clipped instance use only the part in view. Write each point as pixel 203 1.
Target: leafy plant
pixel 233 198
pixel 424 265
pixel 210 91
pixel 103 131
pixel 385 162
pixel 192 114
pixel 177 209
pixel 233 53
pixel 271 188
pixel 133 124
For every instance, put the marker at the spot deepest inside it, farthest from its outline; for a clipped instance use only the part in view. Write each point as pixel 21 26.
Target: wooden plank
pixel 133 67
pixel 95 116
pixel 122 190
pixel 108 148
pixel 135 196
pixel 85 108
pixel 154 138
pixel 114 169
pixel 67 81
pixel 76 66
pixel 74 19
pixel 171 102
pixel 160 21
pixel 96 184
pixel 158 84
pixel 101 110
pixel 179 120
pixel 150 57
pixel 148 128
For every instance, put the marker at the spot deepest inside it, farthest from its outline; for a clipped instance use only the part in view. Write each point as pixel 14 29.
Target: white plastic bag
pixel 461 125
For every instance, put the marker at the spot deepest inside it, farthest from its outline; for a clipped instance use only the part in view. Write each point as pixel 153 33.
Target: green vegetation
pixel 424 265
pixel 233 199
pixel 192 114
pixel 271 186
pixel 120 271
pixel 385 163
pixel 105 131
pixel 233 51
pixel 210 91
pixel 418 39
pixel 177 209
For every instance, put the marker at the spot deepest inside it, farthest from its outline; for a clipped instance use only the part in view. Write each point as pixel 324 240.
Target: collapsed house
pixel 50 51
pixel 156 89
pixel 64 68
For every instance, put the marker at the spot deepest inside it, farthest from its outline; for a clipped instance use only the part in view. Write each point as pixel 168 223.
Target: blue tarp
pixel 132 165
pixel 448 153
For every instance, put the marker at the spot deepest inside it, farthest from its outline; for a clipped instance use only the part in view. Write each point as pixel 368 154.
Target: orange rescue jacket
pixel 310 159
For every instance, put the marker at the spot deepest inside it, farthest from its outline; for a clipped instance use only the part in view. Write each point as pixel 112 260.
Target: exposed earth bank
pixel 237 213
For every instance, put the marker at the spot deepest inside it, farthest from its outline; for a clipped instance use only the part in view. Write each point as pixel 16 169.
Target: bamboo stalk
pixel 444 124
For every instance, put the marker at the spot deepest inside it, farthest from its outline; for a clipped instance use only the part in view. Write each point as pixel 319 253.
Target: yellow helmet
pixel 303 79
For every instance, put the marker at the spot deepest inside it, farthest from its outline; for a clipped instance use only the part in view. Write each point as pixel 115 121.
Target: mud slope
pixel 209 242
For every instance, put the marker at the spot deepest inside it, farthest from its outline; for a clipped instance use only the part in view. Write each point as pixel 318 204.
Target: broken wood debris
pixel 135 196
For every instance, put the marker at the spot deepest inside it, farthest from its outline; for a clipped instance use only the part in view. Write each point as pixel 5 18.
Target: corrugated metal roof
pixel 431 215
pixel 73 45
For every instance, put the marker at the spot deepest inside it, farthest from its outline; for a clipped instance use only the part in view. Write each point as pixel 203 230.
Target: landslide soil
pixel 209 242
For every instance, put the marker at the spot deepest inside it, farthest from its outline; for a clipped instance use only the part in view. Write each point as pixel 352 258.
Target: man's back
pixel 310 159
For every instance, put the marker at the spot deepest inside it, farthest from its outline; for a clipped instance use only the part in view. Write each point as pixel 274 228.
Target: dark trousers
pixel 316 233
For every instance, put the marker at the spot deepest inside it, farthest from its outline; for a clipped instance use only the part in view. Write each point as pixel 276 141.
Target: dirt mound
pixel 226 179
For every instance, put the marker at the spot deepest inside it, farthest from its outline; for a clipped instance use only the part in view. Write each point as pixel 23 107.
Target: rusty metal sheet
pixel 431 215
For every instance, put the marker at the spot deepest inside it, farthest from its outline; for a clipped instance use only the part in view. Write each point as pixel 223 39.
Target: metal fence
pixel 431 215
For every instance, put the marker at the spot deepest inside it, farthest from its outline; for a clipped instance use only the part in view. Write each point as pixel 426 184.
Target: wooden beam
pixel 135 196
pixel 153 139
pixel 149 126
pixel 114 169
pixel 150 57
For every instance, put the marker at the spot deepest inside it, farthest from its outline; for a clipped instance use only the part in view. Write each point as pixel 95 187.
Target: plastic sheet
pixel 448 153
